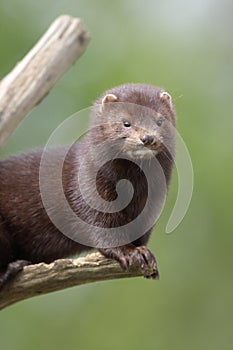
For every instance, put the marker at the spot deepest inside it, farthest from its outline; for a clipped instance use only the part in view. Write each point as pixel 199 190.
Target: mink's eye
pixel 126 123
pixel 160 121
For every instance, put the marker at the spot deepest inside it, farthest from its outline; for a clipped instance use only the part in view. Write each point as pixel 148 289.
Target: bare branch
pixel 44 278
pixel 32 78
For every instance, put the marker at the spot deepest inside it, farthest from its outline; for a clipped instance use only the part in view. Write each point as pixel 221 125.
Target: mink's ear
pixel 109 98
pixel 166 97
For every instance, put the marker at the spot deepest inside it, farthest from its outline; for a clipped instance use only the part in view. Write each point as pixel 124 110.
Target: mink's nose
pixel 148 140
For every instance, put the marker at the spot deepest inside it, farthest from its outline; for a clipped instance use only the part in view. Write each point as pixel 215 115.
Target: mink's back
pixel 22 215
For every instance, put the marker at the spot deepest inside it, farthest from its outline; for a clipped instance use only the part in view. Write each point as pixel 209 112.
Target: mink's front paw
pixel 11 271
pixel 129 256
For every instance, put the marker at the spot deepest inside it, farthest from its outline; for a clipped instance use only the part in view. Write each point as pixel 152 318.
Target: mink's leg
pixel 8 267
pixel 11 271
pixel 143 240
pixel 130 255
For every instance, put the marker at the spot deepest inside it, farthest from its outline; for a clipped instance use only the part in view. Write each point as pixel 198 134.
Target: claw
pixel 129 256
pixel 124 263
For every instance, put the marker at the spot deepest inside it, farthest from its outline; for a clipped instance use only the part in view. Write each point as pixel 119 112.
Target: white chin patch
pixel 142 153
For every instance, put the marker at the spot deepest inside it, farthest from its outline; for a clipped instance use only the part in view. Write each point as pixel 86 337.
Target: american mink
pixel 132 137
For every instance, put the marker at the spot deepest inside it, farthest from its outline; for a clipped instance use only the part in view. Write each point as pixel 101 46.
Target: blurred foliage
pixel 187 48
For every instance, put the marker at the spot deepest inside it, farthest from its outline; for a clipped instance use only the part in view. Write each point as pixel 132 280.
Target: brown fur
pixel 26 233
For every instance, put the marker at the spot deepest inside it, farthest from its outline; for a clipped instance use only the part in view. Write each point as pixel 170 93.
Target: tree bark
pixel 64 273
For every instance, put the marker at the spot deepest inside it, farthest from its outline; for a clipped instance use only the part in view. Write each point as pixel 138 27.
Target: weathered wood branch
pixel 44 278
pixel 32 78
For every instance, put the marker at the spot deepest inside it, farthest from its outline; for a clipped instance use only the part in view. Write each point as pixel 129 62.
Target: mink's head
pixel 139 120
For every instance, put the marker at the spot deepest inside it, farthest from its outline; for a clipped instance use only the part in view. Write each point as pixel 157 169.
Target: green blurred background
pixel 187 48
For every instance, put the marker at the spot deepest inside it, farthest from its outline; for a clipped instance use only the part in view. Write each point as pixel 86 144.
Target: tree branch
pixel 31 80
pixel 64 273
